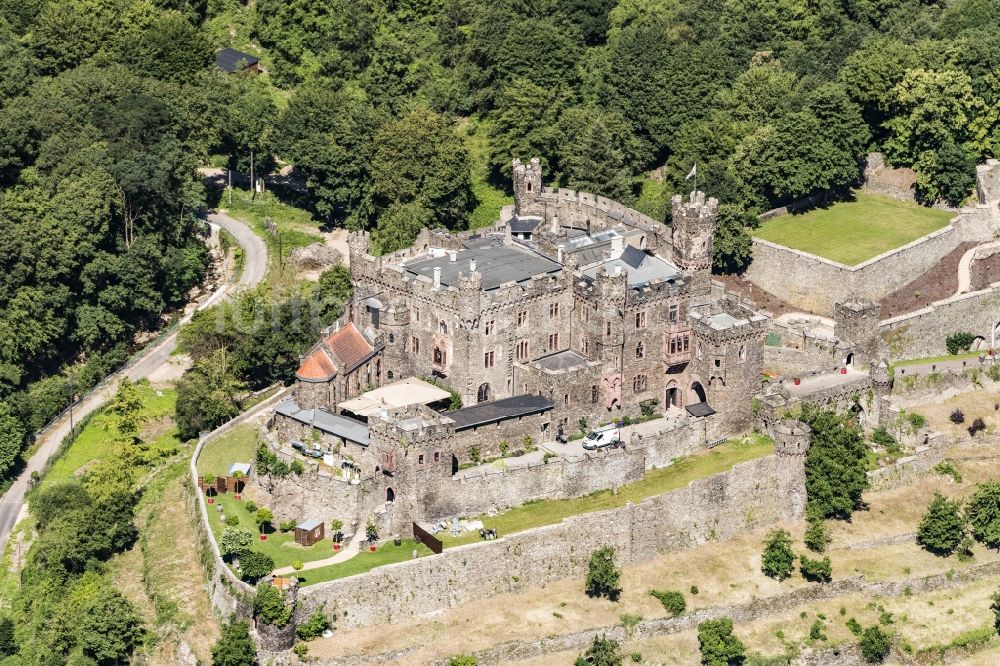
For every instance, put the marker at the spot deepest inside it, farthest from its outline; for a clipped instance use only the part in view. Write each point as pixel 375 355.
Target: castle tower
pixel 528 188
pixel 857 323
pixel 693 228
pixel 791 438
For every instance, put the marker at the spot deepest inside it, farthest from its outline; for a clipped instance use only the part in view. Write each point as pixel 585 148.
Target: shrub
pixel 648 408
pixel 235 541
pixel 630 622
pixel 947 468
pixel 263 517
pixel 977 426
pixel 234 647
pixel 994 373
pixel 940 530
pixel 269 606
pixel 232 520
pixel 719 647
pixel 693 589
pixel 301 651
pixel 474 454
pixel 995 607
pixel 672 601
pixel 882 437
pixel 603 651
pixel 254 565
pixel 603 576
pixel 816 631
pixel 297 565
pixel 959 342
pixel 298 467
pixel 957 416
pixel 983 513
pixel 836 467
pixel 778 559
pixel 875 645
pixel 916 420
pixel 371 531
pixel 314 626
pixel 251 506
pixel 816 571
pixel 817 537
pixel 287 525
pixel 854 626
pixel 462 660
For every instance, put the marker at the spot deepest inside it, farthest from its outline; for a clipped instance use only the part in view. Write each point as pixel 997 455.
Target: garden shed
pixel 309 532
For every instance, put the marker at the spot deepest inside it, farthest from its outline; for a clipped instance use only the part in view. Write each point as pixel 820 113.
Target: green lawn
pixel 158 431
pixel 656 482
pixel 938 359
pixel 237 445
pixel 388 553
pixel 851 232
pixel 281 547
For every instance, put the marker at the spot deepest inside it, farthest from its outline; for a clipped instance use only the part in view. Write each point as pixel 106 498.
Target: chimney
pixel 559 252
pixel 617 246
pixel 437 277
pixel 453 255
pixel 472 265
pixel 618 270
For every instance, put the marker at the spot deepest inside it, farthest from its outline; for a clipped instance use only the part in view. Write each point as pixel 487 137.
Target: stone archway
pixel 390 495
pixel 696 393
pixel 483 394
pixel 849 361
pixel 672 398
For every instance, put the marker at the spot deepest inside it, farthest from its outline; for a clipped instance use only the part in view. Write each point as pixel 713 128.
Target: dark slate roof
pixel 563 360
pixel 499 410
pixel 633 256
pixel 334 424
pixel 700 409
pixel 498 264
pixel 229 60
pixel 520 225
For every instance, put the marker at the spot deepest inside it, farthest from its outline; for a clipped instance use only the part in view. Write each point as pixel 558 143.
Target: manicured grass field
pixel 281 547
pixel 682 472
pixel 158 431
pixel 388 553
pixel 938 359
pixel 851 232
pixel 237 445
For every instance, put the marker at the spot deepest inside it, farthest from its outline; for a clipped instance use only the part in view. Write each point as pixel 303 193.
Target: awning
pixel 700 409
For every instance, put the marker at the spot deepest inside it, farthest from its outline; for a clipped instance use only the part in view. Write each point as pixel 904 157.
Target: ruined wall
pixel 496 489
pixel 814 283
pixel 749 497
pixel 880 178
pixel 923 333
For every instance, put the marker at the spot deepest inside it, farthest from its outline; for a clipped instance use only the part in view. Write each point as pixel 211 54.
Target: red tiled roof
pixel 349 346
pixel 317 366
pixel 341 351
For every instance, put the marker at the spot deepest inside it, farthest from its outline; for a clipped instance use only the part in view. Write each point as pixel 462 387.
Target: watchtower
pixel 857 323
pixel 528 188
pixel 693 228
pixel 791 438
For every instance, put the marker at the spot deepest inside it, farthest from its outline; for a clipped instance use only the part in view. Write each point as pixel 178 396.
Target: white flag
pixel 694 172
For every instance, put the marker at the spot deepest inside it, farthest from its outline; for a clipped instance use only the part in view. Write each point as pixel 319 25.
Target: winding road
pixel 254 271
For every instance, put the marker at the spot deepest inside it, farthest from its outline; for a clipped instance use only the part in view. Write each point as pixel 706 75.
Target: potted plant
pixel 263 518
pixel 238 483
pixel 209 481
pixel 371 534
pixel 338 537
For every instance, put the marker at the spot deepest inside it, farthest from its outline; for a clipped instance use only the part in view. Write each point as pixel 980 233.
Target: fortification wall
pixel 681 435
pixel 923 333
pixel 497 489
pixel 751 496
pixel 814 283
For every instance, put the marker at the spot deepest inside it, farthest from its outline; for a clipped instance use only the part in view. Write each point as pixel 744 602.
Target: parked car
pixel 598 439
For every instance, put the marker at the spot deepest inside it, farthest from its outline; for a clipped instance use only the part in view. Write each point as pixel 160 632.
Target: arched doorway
pixel 979 344
pixel 672 399
pixel 483 394
pixel 849 361
pixel 390 495
pixel 696 393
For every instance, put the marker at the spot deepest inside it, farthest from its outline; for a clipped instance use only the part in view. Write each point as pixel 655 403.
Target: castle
pixel 572 311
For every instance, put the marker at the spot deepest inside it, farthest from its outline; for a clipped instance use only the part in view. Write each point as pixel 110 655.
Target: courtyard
pixel 874 224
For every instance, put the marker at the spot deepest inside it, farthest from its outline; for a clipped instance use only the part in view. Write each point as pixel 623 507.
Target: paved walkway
pixel 957 365
pixel 346 553
pixel 965 266
pixel 815 383
pixel 12 506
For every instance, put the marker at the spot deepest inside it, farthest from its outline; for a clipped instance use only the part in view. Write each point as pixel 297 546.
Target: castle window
pixel 489 327
pixel 488 359
pixel 718 363
pixel 437 456
pixel 483 394
pixel 553 341
pixel 639 383
pixel 593 394
pixel 522 350
pixel 640 319
pixel 607 329
pixel 743 353
pixel 420 459
pixel 392 338
pixel 565 399
pixel 522 317
pixel 553 310
pixel 585 344
pixel 415 345
pixel 416 314
pixel 584 314
pixel 698 351
pixel 442 327
pixel 672 314
pixel 388 375
pixel 529 185
pixel 640 350
pixel 439 356
pixel 687 340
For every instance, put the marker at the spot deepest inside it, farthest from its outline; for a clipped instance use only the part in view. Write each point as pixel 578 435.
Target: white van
pixel 598 439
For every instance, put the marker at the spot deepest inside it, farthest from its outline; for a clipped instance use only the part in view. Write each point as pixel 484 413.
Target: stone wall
pixel 749 497
pixel 984 269
pixel 813 283
pixel 495 489
pixel 880 178
pixel 680 435
pixel 923 333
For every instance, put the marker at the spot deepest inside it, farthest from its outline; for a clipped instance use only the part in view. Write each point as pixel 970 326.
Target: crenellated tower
pixel 528 188
pixel 693 228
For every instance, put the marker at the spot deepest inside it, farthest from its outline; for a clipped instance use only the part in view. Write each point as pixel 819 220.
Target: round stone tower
pixel 528 188
pixel 791 438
